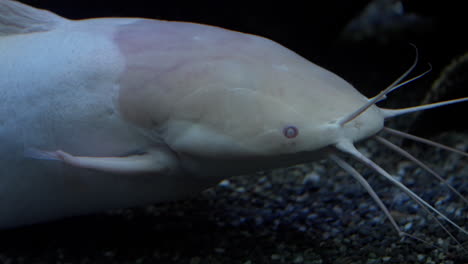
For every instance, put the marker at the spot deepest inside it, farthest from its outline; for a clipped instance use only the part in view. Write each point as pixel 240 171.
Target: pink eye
pixel 290 131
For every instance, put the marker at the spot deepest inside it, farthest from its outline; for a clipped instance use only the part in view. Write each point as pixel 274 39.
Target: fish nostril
pixel 290 131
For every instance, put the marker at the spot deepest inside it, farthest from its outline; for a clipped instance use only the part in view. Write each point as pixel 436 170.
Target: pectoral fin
pixel 153 161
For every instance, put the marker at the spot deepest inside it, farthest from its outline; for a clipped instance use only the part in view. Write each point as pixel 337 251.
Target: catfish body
pixel 58 91
pixel 145 111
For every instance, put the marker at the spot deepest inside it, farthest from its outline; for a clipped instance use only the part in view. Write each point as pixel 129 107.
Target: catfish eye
pixel 290 131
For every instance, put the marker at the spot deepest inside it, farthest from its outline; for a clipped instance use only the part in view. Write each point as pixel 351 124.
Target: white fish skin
pixel 58 91
pixel 195 103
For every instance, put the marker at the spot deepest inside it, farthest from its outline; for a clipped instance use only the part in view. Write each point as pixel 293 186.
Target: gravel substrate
pixel 313 213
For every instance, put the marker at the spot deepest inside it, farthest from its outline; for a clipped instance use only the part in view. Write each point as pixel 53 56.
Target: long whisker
pixel 419 163
pixel 349 169
pixel 403 84
pixel 423 140
pixel 381 95
pixel 388 113
pixel 348 147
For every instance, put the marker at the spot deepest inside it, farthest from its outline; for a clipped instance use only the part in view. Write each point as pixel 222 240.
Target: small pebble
pixel 298 259
pixel 421 257
pixel 275 257
pixel 311 178
pixel 219 250
pixel 224 183
pixel 195 260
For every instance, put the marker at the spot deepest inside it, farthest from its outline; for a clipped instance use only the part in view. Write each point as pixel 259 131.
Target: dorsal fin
pixel 18 18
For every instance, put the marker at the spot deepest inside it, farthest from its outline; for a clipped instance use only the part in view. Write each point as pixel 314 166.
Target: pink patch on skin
pixel 163 58
pixel 192 73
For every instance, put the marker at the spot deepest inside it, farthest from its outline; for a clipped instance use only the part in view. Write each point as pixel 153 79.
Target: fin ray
pixel 18 18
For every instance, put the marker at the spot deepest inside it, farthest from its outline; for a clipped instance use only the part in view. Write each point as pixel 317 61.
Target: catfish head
pixel 215 95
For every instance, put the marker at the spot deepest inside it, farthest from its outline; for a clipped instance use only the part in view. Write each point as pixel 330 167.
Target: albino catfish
pixel 116 112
